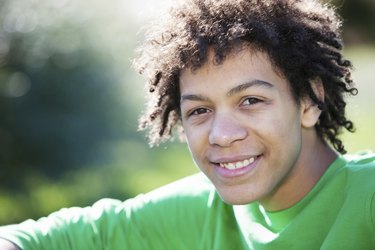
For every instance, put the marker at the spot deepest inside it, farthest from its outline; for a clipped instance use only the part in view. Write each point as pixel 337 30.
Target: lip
pixel 232 173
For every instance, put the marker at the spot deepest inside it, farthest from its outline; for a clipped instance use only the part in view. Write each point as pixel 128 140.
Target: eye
pixel 251 101
pixel 199 111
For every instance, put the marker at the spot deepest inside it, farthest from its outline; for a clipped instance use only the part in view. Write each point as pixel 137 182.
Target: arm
pixel 151 221
pixel 7 245
pixel 68 228
pixel 103 225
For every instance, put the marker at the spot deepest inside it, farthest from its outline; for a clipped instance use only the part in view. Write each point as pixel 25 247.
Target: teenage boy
pixel 256 88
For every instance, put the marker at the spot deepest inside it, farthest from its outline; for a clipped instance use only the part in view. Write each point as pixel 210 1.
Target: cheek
pixel 279 129
pixel 195 139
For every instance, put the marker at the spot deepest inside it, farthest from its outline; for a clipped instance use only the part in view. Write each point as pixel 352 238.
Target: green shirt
pixel 338 213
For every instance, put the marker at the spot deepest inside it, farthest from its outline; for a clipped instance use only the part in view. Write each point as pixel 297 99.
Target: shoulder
pixel 360 170
pixel 179 208
pixel 353 172
pixel 364 158
pixel 360 166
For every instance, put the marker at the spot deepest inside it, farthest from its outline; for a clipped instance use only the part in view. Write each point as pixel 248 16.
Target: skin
pixel 243 109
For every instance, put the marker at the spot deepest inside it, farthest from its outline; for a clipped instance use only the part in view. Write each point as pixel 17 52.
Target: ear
pixel 310 110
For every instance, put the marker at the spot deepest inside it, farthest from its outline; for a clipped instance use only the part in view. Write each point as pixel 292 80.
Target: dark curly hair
pixel 302 38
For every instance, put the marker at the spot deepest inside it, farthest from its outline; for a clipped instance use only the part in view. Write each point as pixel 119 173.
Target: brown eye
pixel 251 101
pixel 199 111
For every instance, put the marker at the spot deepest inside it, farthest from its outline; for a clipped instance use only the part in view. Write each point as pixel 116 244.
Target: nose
pixel 225 130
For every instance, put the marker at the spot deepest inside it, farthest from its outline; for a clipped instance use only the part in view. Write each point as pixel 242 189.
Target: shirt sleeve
pixel 164 218
pixel 94 227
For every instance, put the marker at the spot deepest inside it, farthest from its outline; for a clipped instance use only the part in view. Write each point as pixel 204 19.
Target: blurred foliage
pixel 69 103
pixel 61 98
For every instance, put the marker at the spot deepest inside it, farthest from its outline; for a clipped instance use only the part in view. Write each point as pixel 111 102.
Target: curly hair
pixel 302 38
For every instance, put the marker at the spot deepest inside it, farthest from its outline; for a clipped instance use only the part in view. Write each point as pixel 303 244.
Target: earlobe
pixel 311 110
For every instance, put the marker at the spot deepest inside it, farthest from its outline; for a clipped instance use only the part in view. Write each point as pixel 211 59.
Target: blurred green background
pixel 69 103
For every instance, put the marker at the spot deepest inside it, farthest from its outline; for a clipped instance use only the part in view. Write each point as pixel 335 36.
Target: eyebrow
pixel 231 92
pixel 246 85
pixel 193 98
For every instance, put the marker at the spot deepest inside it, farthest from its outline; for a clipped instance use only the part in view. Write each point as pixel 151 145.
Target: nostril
pixel 226 131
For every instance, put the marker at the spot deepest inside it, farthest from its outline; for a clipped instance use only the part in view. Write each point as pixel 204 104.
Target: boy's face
pixel 242 125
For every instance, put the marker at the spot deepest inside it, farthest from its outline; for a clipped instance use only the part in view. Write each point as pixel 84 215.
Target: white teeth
pixel 230 166
pixel 239 164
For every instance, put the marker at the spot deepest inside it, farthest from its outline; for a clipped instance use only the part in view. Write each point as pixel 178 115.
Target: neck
pixel 315 157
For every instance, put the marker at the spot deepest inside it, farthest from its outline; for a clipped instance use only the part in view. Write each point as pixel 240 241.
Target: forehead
pixel 246 64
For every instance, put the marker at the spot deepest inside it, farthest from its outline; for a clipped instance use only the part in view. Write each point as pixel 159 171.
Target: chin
pixel 232 199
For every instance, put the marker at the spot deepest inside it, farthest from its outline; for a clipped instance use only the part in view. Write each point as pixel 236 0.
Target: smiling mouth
pixel 238 164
